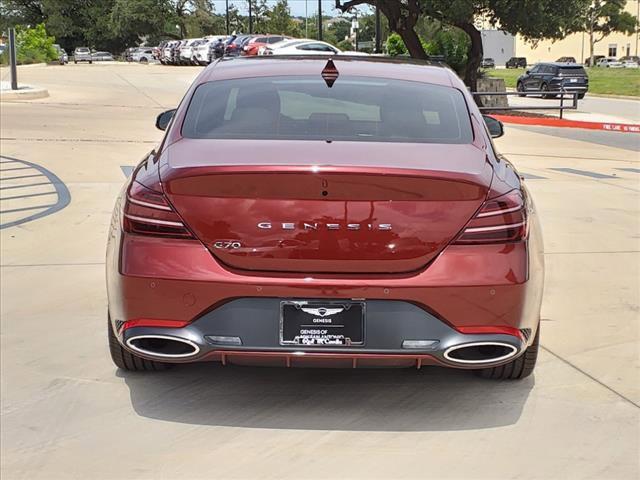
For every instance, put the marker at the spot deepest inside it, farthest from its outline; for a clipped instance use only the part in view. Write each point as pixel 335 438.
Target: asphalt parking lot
pixel 67 412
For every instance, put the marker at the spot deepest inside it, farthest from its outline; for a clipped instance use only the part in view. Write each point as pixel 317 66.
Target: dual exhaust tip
pixel 163 346
pixel 476 353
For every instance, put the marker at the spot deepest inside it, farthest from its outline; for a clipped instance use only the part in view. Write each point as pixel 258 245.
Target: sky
pixel 297 7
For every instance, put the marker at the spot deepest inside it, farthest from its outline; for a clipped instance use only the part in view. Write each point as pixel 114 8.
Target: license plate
pixel 321 323
pixel 573 80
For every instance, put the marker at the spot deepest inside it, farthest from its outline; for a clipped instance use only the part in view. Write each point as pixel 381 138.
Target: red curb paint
pixel 557 122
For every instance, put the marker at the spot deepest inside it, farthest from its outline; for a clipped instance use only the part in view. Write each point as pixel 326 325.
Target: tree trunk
pixel 474 57
pixel 413 44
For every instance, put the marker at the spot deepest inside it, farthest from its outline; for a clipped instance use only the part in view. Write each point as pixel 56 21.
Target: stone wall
pixel 493 85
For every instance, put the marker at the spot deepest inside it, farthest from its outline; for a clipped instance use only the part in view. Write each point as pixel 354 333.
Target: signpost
pixel 12 59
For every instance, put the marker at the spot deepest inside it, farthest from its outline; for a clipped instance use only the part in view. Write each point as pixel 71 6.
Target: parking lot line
pixel 585 173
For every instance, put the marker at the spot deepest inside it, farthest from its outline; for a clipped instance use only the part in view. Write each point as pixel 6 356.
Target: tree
pixel 20 12
pixel 603 17
pixel 533 19
pixel 279 20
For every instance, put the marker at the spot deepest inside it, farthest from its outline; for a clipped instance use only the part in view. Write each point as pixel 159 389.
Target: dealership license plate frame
pixel 317 304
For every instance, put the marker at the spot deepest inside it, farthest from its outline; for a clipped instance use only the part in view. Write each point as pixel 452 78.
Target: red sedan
pixel 305 211
pixel 253 46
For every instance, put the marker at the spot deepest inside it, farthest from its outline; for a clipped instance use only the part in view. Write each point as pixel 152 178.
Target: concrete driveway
pixel 67 412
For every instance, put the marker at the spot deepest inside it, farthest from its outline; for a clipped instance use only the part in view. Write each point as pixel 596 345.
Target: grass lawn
pixel 613 81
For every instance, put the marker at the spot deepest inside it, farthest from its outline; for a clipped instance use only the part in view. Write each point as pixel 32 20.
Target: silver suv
pixel 82 54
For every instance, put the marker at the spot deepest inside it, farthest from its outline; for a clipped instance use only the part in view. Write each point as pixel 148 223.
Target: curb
pixel 557 122
pixel 25 93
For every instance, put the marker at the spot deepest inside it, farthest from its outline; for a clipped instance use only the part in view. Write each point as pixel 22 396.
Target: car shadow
pixel 429 399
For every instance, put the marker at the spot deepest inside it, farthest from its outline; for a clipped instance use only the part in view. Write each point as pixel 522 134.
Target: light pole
pixel 227 15
pixel 12 59
pixel 320 20
pixel 250 18
pixel 354 27
pixel 378 47
pixel 306 19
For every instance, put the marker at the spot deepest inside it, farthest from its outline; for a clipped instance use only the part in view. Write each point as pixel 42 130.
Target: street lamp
pixel 354 27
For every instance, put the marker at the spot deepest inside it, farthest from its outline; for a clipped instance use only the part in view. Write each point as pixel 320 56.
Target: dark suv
pixel 516 62
pixel 554 77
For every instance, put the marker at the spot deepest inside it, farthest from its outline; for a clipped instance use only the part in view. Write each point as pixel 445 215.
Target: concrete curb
pixel 557 122
pixel 24 93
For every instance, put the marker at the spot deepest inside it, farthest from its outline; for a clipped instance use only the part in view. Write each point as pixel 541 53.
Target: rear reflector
pixel 419 344
pixel 147 212
pixel 222 340
pixel 153 322
pixel 500 220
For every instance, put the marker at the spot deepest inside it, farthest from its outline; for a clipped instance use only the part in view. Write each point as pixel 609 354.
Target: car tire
pixel 520 88
pixel 128 361
pixel 90 62
pixel 517 369
pixel 75 61
pixel 545 88
pixel 581 95
pixel 144 60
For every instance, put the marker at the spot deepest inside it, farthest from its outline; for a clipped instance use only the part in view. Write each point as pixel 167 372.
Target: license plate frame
pixel 352 317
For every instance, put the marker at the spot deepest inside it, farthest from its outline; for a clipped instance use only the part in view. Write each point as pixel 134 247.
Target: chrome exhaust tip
pixel 480 352
pixel 163 346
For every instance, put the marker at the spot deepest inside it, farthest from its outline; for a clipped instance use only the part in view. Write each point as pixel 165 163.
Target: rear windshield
pixel 305 108
pixel 578 71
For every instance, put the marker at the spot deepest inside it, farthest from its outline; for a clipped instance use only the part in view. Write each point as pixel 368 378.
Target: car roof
pixel 369 66
pixel 560 64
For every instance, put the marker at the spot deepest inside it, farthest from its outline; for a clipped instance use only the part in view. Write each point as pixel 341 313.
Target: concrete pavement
pixel 67 412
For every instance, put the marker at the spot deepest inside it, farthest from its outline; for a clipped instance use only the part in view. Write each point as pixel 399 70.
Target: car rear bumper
pixel 254 326
pixel 490 289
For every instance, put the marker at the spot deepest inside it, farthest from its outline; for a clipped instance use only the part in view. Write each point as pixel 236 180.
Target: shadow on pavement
pixel 432 398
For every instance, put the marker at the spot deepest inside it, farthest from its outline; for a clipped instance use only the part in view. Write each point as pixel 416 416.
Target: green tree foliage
pixel 395 45
pixel 453 44
pixel 33 45
pixel 279 20
pixel 533 19
pixel 603 17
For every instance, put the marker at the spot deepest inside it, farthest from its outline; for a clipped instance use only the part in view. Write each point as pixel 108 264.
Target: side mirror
pixel 527 72
pixel 163 120
pixel 496 129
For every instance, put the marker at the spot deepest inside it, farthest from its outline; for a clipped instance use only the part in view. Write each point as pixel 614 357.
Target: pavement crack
pixel 588 375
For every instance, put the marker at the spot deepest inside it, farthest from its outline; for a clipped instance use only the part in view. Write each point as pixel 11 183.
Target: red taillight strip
pixel 493 229
pixel 154 221
pixel 499 212
pixel 483 330
pixel 150 205
pixel 153 322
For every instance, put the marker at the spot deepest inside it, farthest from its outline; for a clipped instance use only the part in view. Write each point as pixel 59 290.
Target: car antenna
pixel 330 73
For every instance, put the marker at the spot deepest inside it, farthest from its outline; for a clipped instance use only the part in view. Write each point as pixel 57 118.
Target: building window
pixel 628 49
pixel 613 50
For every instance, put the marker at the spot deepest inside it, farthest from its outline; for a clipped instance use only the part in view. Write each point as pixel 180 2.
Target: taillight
pixel 500 220
pixel 147 212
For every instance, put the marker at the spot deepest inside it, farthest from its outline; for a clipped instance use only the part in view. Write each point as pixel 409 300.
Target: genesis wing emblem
pixel 322 312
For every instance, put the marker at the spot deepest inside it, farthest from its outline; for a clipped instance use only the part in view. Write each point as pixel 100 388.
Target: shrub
pixel 395 45
pixel 33 45
pixel 345 46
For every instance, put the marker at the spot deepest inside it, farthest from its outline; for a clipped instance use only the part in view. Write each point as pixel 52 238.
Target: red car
pixel 253 45
pixel 305 211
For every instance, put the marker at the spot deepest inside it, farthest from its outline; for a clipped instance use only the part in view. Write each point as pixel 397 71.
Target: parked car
pixel 596 58
pixel 82 54
pixel 186 51
pixel 554 77
pixel 305 47
pixel 102 57
pixel 609 62
pixel 516 62
pixel 326 243
pixel 63 58
pixel 630 58
pixel 234 45
pixel 488 63
pixel 630 64
pixel 201 51
pixel 254 44
pixel 142 55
